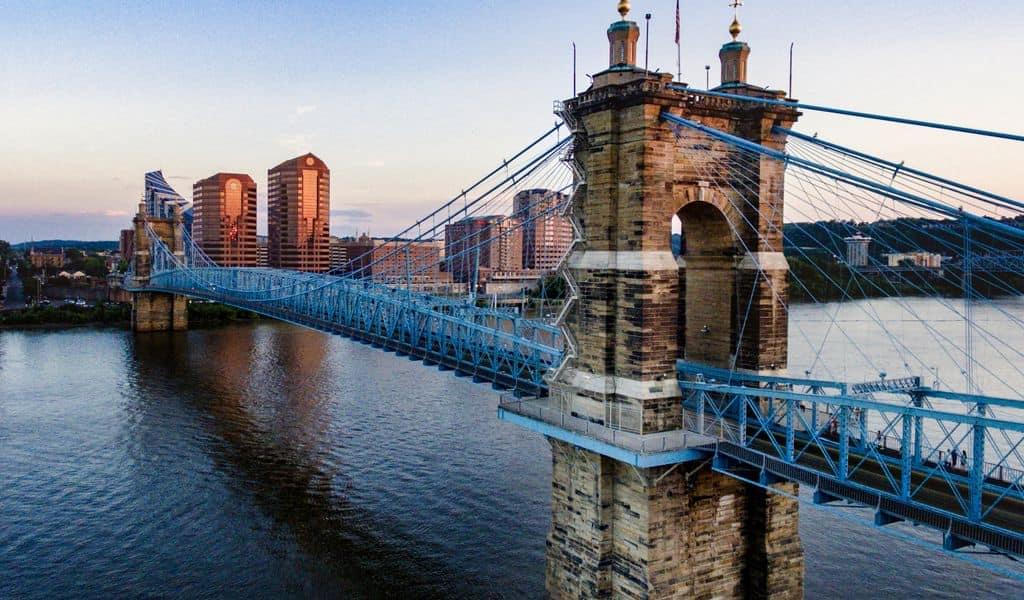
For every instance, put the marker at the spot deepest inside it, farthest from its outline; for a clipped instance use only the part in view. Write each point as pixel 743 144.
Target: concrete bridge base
pixel 669 532
pixel 152 311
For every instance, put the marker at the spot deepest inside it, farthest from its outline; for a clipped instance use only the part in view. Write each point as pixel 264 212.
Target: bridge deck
pixel 499 347
pixel 1008 512
pixel 935 504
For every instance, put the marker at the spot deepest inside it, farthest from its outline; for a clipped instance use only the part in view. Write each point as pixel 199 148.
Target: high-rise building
pixel 339 254
pixel 357 253
pixel 224 224
pixel 262 258
pixel 126 245
pixel 160 198
pixel 401 261
pixel 483 245
pixel 389 261
pixel 857 250
pixel 298 207
pixel 547 235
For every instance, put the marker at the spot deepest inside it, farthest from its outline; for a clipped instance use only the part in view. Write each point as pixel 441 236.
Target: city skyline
pixel 109 99
pixel 519 385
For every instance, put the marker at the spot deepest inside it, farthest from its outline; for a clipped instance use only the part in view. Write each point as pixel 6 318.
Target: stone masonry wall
pixel 621 532
pixel 159 312
pixel 693 534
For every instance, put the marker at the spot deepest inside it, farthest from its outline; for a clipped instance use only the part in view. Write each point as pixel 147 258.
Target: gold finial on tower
pixel 735 28
pixel 623 8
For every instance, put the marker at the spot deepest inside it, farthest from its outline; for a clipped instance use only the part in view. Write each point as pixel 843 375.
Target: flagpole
pixel 679 63
pixel 679 48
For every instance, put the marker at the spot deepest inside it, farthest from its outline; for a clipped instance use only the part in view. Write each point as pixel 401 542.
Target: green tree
pixel 5 258
pixel 552 287
pixel 75 260
pixel 95 266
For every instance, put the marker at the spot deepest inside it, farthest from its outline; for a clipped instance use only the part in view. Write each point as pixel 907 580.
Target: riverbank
pixel 67 316
pixel 200 314
pixel 208 314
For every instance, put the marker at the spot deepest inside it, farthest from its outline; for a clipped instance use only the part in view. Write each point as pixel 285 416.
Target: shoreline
pixel 112 316
pixel 55 326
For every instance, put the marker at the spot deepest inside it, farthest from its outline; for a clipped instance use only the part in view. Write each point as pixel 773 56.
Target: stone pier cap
pixel 544 416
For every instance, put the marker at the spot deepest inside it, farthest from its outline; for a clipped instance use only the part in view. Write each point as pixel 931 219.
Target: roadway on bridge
pixel 936 491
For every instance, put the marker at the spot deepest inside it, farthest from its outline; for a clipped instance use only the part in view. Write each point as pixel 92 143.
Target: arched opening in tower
pixel 707 297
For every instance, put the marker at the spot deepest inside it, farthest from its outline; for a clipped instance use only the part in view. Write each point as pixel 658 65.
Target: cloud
pixel 374 164
pixel 356 214
pixel 116 213
pixel 180 177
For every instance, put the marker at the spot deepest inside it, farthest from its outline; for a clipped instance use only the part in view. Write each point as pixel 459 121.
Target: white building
pixel 925 260
pixel 857 250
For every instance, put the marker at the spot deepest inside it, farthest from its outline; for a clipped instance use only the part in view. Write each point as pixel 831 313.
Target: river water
pixel 267 461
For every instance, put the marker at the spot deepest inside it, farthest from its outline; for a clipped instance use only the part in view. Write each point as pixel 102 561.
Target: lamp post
pixel 707 77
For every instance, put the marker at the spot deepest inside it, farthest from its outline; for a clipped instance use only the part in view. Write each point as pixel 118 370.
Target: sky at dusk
pixel 408 102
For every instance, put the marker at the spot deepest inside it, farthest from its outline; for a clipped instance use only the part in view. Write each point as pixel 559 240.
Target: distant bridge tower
pixel 680 531
pixel 155 311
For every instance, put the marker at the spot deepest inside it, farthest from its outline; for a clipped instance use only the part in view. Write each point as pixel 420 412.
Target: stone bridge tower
pixel 679 531
pixel 155 311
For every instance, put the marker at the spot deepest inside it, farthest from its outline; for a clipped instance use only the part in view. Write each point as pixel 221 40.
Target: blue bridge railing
pixel 958 472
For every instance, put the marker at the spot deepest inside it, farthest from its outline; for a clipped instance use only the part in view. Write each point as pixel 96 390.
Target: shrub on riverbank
pixel 210 313
pixel 67 315
pixel 198 314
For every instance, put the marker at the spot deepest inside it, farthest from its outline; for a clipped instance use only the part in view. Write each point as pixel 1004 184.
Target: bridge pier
pixel 682 529
pixel 156 311
pixel 153 311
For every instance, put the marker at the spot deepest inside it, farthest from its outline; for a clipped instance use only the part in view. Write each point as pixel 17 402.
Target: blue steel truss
pixel 493 346
pixel 819 433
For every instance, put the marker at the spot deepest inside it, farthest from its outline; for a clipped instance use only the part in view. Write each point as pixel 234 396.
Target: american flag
pixel 677 22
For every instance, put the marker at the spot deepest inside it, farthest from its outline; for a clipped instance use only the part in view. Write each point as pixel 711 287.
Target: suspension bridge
pixel 666 383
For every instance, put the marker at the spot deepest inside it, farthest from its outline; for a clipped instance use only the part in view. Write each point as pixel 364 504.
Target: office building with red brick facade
pixel 224 225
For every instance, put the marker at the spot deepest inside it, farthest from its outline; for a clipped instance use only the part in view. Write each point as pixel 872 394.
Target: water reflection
pixel 263 397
